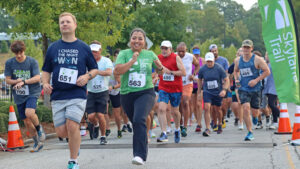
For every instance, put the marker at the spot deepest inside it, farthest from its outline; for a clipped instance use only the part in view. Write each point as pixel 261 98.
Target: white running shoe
pixel 138 161
pixel 169 130
pixel 241 126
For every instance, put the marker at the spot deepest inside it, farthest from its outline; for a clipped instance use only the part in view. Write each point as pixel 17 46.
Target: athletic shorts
pixel 234 98
pixel 195 90
pixel 29 103
pixel 97 102
pixel 115 100
pixel 187 90
pixel 264 101
pixel 72 109
pixel 250 97
pixel 213 99
pixel 174 98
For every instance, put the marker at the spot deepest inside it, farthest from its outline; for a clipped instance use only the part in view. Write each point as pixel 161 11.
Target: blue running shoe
pixel 177 136
pixel 183 132
pixel 163 138
pixel 73 165
pixel 254 120
pixel 249 136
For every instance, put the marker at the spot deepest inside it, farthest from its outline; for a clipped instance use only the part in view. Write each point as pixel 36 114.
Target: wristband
pixel 90 76
pixel 113 87
pixel 24 82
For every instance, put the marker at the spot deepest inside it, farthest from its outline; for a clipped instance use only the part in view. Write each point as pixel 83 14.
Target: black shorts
pixel 253 98
pixel 97 102
pixel 215 100
pixel 115 100
pixel 234 98
pixel 195 90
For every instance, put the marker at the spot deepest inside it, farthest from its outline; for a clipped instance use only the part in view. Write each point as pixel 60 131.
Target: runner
pixel 225 102
pixel 215 84
pixel 170 89
pixel 68 60
pixel 98 96
pixel 188 60
pixel 22 72
pixel 197 103
pixel 248 67
pixel 236 104
pixel 135 66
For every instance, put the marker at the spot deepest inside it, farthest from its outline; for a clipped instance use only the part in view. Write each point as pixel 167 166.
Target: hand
pixel 222 93
pixel 135 56
pixel 82 80
pixel 252 83
pixel 110 88
pixel 18 85
pixel 47 88
pixel 237 83
pixel 167 71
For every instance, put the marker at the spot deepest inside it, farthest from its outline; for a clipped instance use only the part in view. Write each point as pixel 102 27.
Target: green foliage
pixel 3 122
pixel 35 51
pixel 6 21
pixel 4 47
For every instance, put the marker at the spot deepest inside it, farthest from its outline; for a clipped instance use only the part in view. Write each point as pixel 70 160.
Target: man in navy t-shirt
pixel 72 64
pixel 215 85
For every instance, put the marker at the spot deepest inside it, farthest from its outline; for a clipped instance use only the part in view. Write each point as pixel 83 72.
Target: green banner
pixel 278 29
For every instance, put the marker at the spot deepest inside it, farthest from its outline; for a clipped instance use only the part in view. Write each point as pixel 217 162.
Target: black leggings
pixel 272 101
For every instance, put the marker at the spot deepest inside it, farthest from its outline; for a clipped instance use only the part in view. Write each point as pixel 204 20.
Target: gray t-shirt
pixel 212 78
pixel 25 70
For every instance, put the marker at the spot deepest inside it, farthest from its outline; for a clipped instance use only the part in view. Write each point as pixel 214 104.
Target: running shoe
pixel 103 141
pixel 219 129
pixel 206 133
pixel 236 122
pixel 228 113
pixel 107 133
pixel 259 125
pixel 163 138
pixel 249 136
pixel 169 130
pixel 183 132
pixel 274 126
pixel 73 165
pixel 96 132
pixel 138 161
pixel 91 130
pixel 268 122
pixel 215 128
pixel 212 124
pixel 241 126
pixel 129 129
pixel 152 134
pixel 176 136
pixel 37 146
pixel 254 120
pixel 119 134
pixel 198 128
pixel 41 134
pixel 223 124
pixel 124 128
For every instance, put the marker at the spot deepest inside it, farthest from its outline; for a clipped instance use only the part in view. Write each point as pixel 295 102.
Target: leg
pixel 247 116
pixel 74 138
pixel 162 110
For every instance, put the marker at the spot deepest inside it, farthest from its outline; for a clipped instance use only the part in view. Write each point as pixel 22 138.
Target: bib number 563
pixel 135 83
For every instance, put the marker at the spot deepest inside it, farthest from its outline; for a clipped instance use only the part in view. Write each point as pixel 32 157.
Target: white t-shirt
pixel 187 61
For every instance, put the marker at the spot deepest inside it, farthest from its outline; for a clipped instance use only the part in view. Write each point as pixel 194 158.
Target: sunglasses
pixel 164 48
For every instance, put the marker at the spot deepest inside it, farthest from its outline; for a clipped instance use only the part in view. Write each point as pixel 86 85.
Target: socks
pixel 38 127
pixel 75 160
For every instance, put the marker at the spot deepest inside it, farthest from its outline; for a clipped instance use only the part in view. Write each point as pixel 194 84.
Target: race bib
pixel 168 77
pixel 137 80
pixel 24 91
pixel 212 84
pixel 67 75
pixel 97 85
pixel 246 72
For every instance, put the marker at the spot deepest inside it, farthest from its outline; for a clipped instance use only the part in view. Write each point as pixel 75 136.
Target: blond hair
pixel 68 14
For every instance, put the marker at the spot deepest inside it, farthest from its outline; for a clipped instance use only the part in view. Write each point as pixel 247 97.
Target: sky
pixel 247 4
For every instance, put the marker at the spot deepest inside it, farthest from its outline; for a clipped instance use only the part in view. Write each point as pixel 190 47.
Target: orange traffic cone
pixel 14 139
pixel 284 120
pixel 296 131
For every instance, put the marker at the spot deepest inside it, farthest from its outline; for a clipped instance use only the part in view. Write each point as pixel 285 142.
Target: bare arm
pixel 106 72
pixel 196 63
pixel 12 81
pixel 123 68
pixel 181 71
pixel 236 72
pixel 46 82
pixel 260 64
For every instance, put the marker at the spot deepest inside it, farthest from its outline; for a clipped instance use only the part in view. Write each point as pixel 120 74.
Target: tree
pixel 42 17
pixel 34 50
pixel 4 47
pixel 6 21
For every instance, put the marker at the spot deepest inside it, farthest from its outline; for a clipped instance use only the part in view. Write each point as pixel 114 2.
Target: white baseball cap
pixel 212 46
pixel 209 56
pixel 166 43
pixel 95 47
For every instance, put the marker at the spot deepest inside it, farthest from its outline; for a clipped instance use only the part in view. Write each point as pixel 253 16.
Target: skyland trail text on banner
pixel 280 37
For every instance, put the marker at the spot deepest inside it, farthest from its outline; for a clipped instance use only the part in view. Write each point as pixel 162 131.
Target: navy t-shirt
pixel 67 61
pixel 212 78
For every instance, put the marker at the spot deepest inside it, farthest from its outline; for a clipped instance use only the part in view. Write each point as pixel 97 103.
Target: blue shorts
pixel 214 100
pixel 174 98
pixel 29 103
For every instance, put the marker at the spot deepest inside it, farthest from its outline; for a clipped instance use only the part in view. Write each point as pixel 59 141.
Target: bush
pixel 4 47
pixel 44 114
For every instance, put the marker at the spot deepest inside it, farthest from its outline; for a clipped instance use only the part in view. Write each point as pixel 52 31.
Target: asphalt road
pixel 219 151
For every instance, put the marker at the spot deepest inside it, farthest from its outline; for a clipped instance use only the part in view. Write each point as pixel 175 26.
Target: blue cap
pixel 196 51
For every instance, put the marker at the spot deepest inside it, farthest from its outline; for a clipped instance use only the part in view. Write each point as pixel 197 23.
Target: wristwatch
pixel 24 82
pixel 90 76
